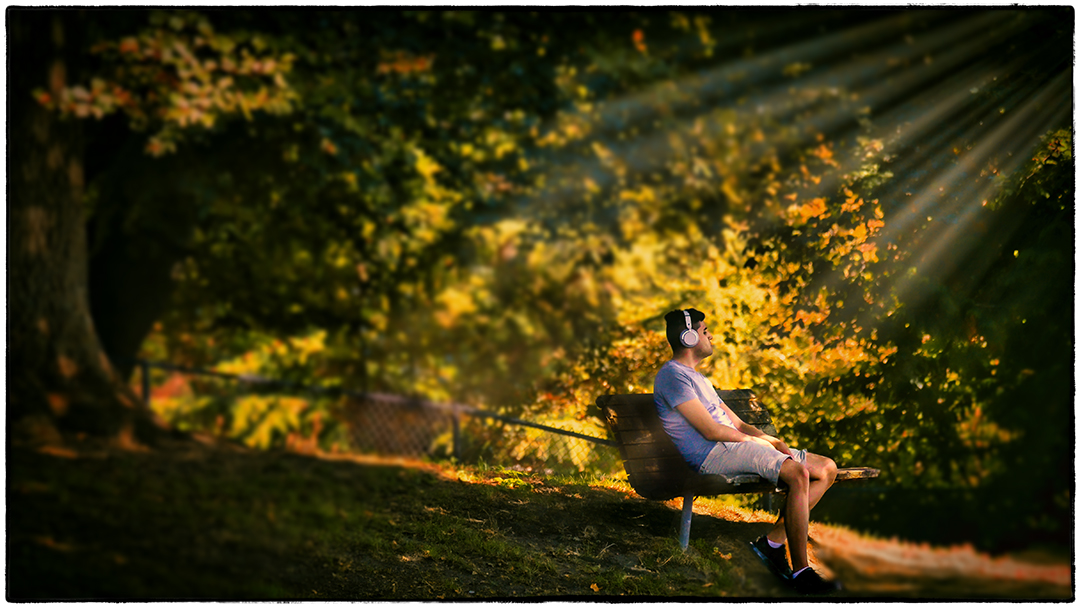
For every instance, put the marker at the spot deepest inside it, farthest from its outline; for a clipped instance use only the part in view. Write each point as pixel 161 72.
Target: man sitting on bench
pixel 715 441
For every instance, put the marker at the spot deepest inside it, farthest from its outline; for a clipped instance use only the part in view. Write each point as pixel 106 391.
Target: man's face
pixel 704 346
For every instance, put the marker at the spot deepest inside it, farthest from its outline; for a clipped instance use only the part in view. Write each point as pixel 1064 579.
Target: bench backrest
pixel 654 466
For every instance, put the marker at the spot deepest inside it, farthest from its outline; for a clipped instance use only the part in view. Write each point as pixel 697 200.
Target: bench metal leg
pixel 684 524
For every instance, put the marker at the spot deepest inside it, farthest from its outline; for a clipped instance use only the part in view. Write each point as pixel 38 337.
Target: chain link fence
pixel 274 413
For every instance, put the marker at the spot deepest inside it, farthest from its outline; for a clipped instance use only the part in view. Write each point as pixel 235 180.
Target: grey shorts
pixel 741 457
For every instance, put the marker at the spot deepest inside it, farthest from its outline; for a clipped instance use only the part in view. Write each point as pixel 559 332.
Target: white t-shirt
pixel 676 384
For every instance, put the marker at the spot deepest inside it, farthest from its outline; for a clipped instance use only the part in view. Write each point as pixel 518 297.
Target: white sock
pixel 801 570
pixel 772 544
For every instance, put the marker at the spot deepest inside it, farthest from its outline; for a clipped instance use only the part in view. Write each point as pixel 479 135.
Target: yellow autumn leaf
pixel 869 252
pixel 425 165
pixel 853 203
pixel 859 233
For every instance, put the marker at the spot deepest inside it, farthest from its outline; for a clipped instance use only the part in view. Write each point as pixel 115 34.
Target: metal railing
pixel 383 422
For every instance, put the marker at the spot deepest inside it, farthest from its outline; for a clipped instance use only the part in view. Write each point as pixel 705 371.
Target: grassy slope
pixel 201 523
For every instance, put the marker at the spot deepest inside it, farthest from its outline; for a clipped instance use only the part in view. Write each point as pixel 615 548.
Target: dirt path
pixel 884 569
pixel 901 569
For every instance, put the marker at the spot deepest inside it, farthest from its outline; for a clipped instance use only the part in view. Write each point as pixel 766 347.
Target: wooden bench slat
pixel 732 394
pixel 634 423
pixel 649 450
pixel 642 438
pixel 662 464
pixel 717 484
pixel 849 473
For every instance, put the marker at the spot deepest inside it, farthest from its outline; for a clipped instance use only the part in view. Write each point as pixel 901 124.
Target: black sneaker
pixel 775 559
pixel 809 582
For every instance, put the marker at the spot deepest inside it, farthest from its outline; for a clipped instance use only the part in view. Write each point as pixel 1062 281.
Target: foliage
pixel 267 418
pixel 944 400
pixel 179 73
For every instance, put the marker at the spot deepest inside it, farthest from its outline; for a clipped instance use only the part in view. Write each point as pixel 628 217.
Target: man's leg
pixel 796 511
pixel 822 472
pixel 822 475
pixel 797 524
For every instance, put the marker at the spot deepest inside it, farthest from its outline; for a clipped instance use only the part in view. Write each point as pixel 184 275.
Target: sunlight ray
pixel 646 153
pixel 1026 119
pixel 732 78
pixel 874 69
pixel 945 101
pixel 945 98
pixel 650 152
pixel 947 240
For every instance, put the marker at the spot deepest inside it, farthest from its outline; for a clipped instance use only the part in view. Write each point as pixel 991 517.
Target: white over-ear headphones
pixel 689 337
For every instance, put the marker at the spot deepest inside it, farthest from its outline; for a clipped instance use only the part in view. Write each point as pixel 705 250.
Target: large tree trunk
pixel 144 223
pixel 59 378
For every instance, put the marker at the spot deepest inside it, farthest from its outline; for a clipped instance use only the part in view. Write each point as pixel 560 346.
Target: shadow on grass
pixel 198 523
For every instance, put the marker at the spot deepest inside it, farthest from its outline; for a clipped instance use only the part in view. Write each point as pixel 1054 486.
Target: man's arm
pixel 699 417
pixel 743 426
pixel 753 431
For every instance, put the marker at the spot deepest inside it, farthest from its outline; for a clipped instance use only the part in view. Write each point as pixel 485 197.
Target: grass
pixel 198 523
pixel 190 524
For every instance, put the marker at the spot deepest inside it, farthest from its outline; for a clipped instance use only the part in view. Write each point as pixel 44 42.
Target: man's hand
pixel 773 443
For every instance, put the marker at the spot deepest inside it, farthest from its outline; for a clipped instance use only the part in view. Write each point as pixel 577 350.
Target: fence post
pixel 144 370
pixel 457 433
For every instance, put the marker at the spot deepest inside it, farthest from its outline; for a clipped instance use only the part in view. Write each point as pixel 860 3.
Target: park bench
pixel 656 469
